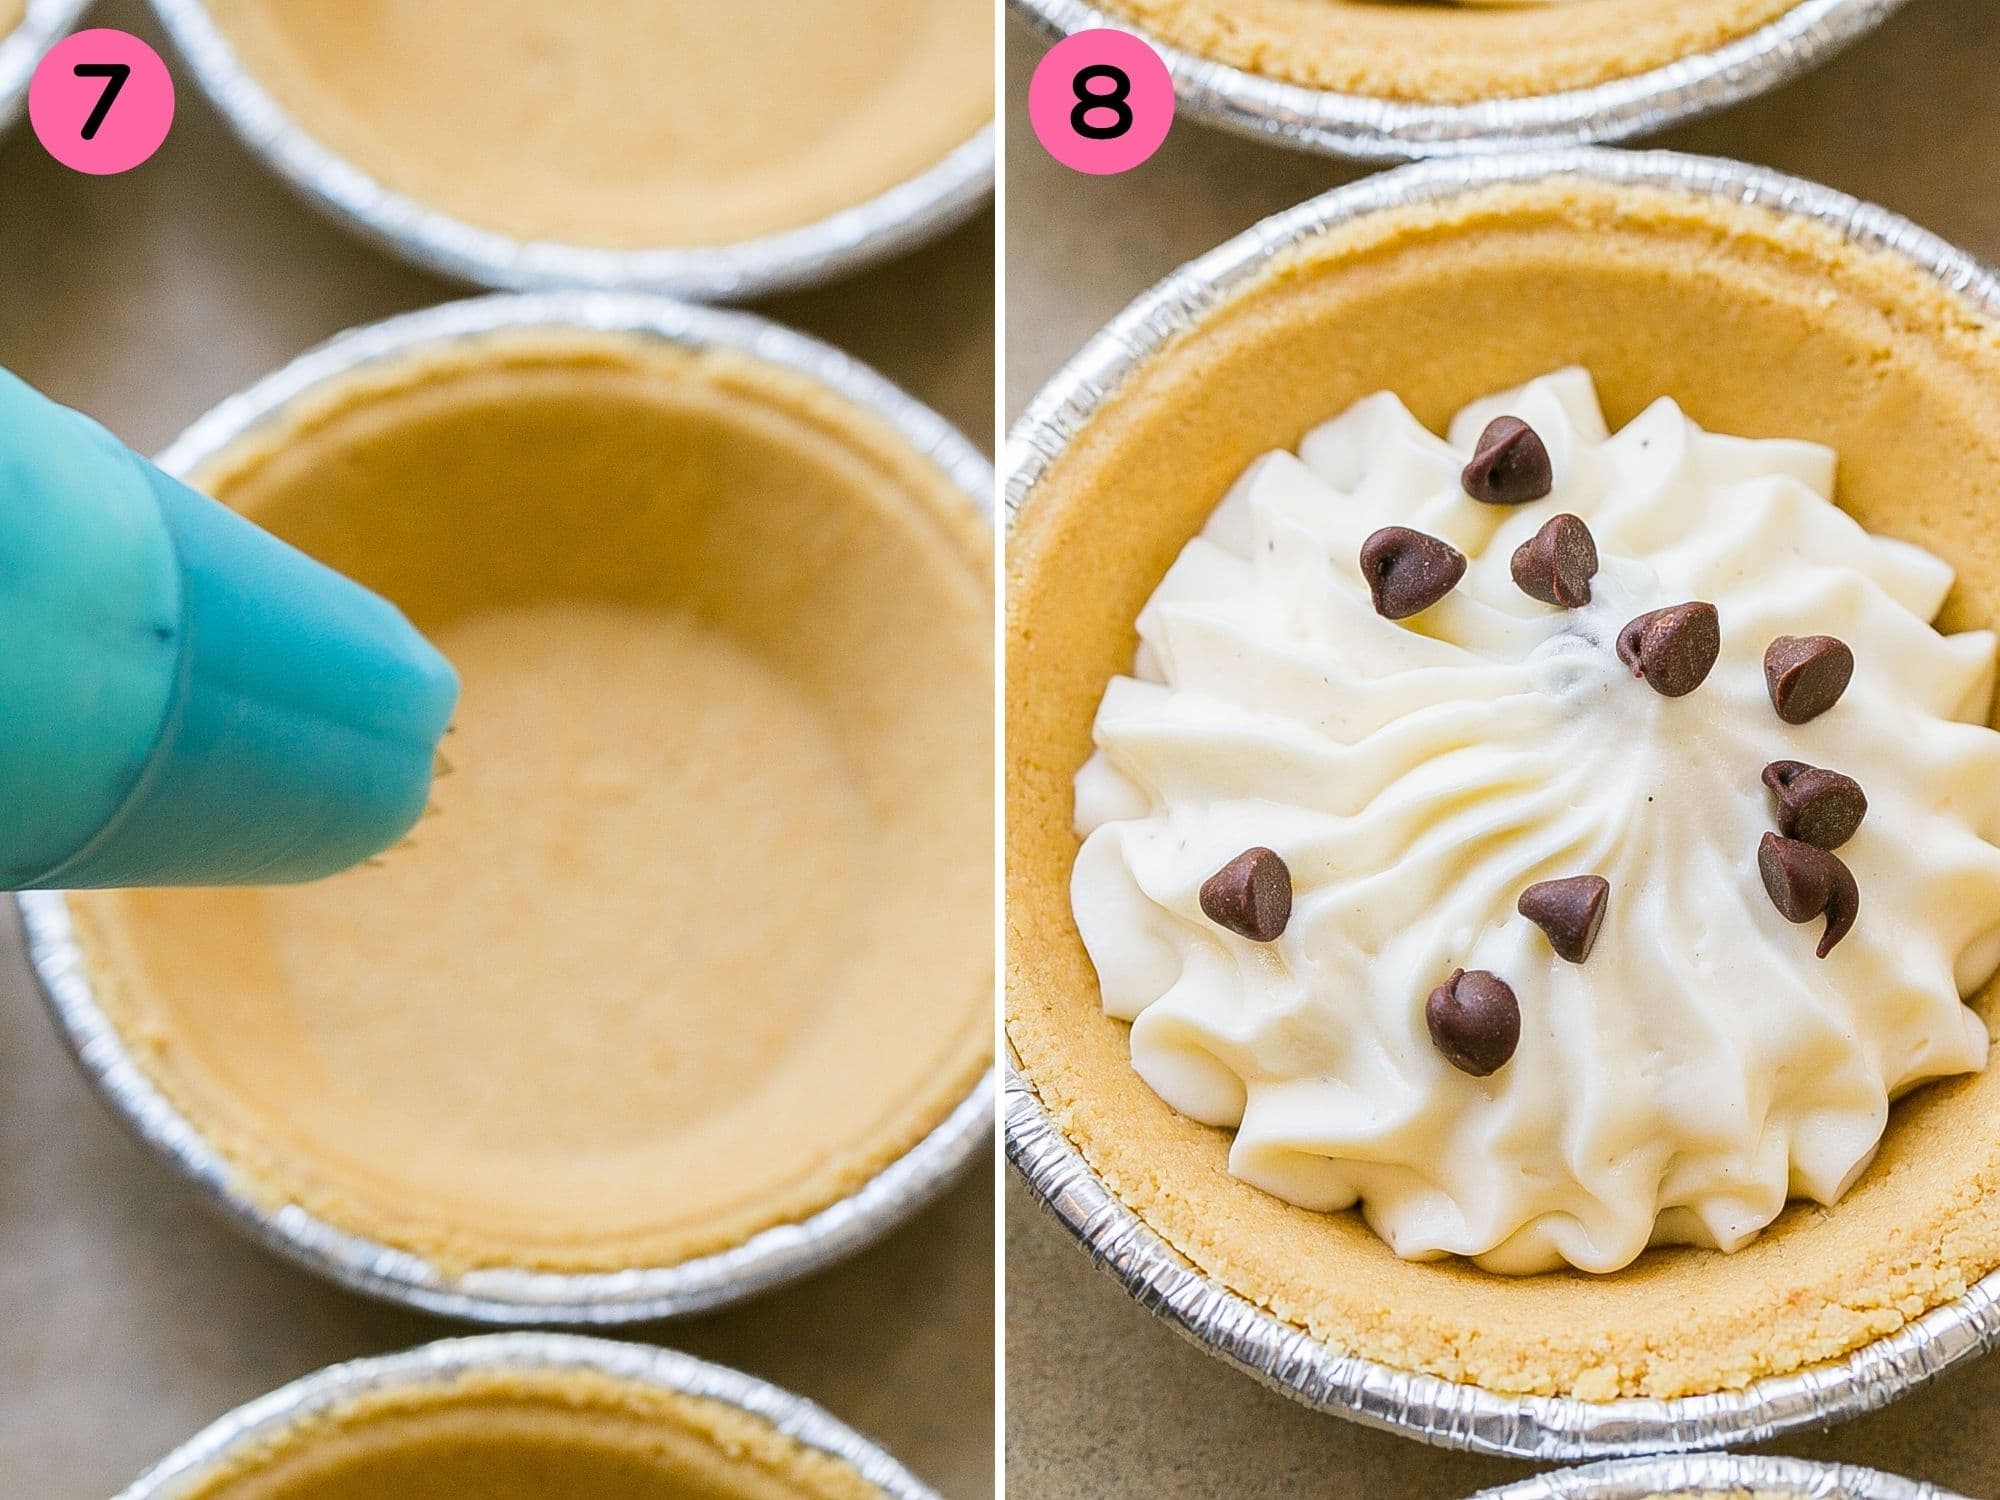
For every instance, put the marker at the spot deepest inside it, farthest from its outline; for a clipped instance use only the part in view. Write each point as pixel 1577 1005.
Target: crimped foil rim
pixel 269 1417
pixel 1717 1473
pixel 1373 129
pixel 1447 1413
pixel 768 1259
pixel 42 25
pixel 916 210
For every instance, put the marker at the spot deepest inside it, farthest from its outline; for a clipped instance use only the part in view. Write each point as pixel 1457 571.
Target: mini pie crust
pixel 524 1435
pixel 1445 54
pixel 700 938
pixel 1758 325
pixel 627 124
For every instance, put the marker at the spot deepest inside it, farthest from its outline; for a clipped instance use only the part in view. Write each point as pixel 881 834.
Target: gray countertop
pixel 129 1315
pixel 1103 1401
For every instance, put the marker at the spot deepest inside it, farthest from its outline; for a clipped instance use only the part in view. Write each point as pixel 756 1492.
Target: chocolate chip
pixel 1556 564
pixel 1673 649
pixel 1251 896
pixel 1817 806
pixel 1475 1021
pixel 1806 675
pixel 1510 464
pixel 1804 881
pixel 1570 911
pixel 1407 571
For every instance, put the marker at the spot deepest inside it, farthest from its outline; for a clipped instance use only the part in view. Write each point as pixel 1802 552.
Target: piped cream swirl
pixel 1702 1066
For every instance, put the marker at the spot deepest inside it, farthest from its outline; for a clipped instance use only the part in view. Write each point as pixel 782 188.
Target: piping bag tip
pixel 189 700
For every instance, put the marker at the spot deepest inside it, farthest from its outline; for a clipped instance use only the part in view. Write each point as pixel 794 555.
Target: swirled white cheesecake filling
pixel 1401 782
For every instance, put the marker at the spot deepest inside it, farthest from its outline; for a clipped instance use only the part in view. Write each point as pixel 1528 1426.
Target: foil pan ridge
pixel 1280 1355
pixel 42 25
pixel 910 213
pixel 266 1418
pixel 1717 1474
pixel 1373 129
pixel 768 1259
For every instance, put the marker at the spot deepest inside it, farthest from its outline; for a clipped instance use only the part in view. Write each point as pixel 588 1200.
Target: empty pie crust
pixel 527 1435
pixel 699 938
pixel 627 124
pixel 1758 325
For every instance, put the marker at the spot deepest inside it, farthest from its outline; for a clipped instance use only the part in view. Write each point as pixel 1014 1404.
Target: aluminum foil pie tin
pixel 1706 1474
pixel 250 1428
pixel 771 1258
pixel 907 215
pixel 43 24
pixel 1281 1355
pixel 1373 129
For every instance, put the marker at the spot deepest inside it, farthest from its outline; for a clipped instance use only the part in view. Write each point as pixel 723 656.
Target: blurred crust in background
pixel 1445 54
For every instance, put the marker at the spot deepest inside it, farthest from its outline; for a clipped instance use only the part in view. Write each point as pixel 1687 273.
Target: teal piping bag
pixel 185 699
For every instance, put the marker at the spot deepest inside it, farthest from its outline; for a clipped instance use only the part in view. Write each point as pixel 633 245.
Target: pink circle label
pixel 1101 102
pixel 101 102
